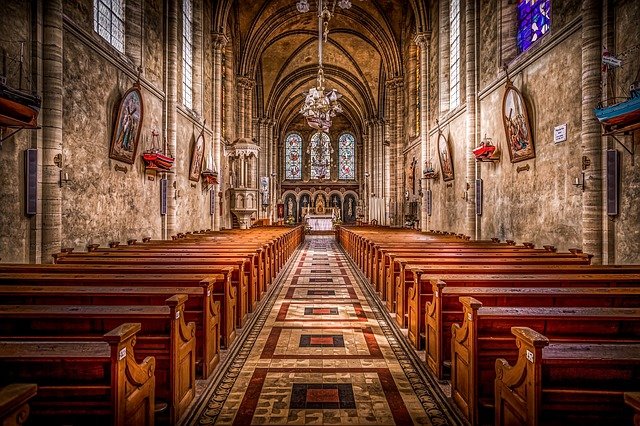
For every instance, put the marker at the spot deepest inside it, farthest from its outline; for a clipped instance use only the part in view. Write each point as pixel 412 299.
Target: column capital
pixel 219 41
pixel 422 39
pixel 394 82
pixel 245 82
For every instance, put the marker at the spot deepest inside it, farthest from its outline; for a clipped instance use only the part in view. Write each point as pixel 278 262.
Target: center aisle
pixel 321 352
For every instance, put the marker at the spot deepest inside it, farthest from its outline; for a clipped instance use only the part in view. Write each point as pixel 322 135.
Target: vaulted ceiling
pixel 278 46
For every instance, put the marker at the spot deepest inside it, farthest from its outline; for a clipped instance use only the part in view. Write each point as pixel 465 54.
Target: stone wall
pixel 15 226
pixel 99 203
pixel 540 204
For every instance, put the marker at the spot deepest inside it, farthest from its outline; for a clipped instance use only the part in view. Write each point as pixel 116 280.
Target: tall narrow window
pixel 187 53
pixel 418 91
pixel 108 21
pixel 293 156
pixel 320 156
pixel 534 21
pixel 454 54
pixel 346 156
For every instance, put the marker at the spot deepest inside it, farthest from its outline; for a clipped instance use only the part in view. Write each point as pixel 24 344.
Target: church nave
pixel 321 351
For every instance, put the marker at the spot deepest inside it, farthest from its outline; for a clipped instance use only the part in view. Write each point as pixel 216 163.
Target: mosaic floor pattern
pixel 321 351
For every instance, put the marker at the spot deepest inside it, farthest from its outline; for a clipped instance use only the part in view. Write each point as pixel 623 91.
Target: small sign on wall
pixel 560 133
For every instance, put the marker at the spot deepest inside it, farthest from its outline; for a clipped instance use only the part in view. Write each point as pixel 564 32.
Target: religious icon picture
pixel 197 159
pixel 516 125
pixel 446 162
pixel 126 133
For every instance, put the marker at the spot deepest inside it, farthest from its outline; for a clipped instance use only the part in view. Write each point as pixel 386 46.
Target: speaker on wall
pixel 163 196
pixel 479 197
pixel 31 181
pixel 613 181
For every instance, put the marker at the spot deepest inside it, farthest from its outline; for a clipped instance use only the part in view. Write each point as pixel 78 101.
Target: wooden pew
pixel 485 335
pixel 240 278
pixel 565 384
pixel 14 403
pixel 445 309
pixel 200 308
pixel 632 399
pixel 165 335
pixel 398 294
pixel 98 383
pixel 222 290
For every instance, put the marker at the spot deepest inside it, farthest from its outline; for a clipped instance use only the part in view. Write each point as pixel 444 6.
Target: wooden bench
pixel 485 335
pixel 98 383
pixel 200 308
pixel 14 403
pixel 398 294
pixel 632 399
pixel 444 308
pixel 220 285
pixel 165 335
pixel 565 384
pixel 239 273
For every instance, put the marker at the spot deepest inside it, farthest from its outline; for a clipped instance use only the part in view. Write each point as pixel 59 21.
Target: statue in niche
pixel 350 208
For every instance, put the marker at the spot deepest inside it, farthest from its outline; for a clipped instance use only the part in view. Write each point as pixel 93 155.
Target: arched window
pixel 293 156
pixel 534 21
pixel 454 54
pixel 320 156
pixel 187 53
pixel 346 156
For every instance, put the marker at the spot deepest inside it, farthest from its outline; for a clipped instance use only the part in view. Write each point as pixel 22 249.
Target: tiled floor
pixel 320 352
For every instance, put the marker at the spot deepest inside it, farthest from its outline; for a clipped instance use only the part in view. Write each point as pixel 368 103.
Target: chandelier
pixel 321 105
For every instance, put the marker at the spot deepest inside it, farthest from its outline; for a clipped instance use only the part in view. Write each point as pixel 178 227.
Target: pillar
pixel 471 116
pixel 172 113
pixel 219 43
pixel 422 40
pixel 592 215
pixel 51 129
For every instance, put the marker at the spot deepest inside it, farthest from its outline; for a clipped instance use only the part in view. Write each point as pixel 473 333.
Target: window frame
pixel 286 156
pixel 187 53
pixel 353 156
pixel 115 33
pixel 455 55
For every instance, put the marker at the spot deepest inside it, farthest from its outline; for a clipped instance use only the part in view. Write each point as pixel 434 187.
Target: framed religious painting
pixel 516 125
pixel 446 162
pixel 197 158
pixel 126 132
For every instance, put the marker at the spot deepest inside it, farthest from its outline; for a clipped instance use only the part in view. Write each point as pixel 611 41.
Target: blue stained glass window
pixel 320 152
pixel 293 156
pixel 346 156
pixel 534 21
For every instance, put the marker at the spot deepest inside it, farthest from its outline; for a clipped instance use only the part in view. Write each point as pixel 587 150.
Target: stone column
pixel 390 157
pixel 471 116
pixel 172 113
pixel 592 215
pixel 241 107
pixel 52 50
pixel 219 43
pixel 399 169
pixel 422 40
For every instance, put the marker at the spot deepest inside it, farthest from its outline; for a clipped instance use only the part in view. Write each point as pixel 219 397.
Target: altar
pixel 319 222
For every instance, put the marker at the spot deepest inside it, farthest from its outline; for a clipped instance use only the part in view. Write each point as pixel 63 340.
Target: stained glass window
pixel 346 156
pixel 534 21
pixel 108 21
pixel 320 156
pixel 187 53
pixel 293 156
pixel 454 54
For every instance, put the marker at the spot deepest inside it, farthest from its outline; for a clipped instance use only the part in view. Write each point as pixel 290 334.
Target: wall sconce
pixel 64 178
pixel 579 182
